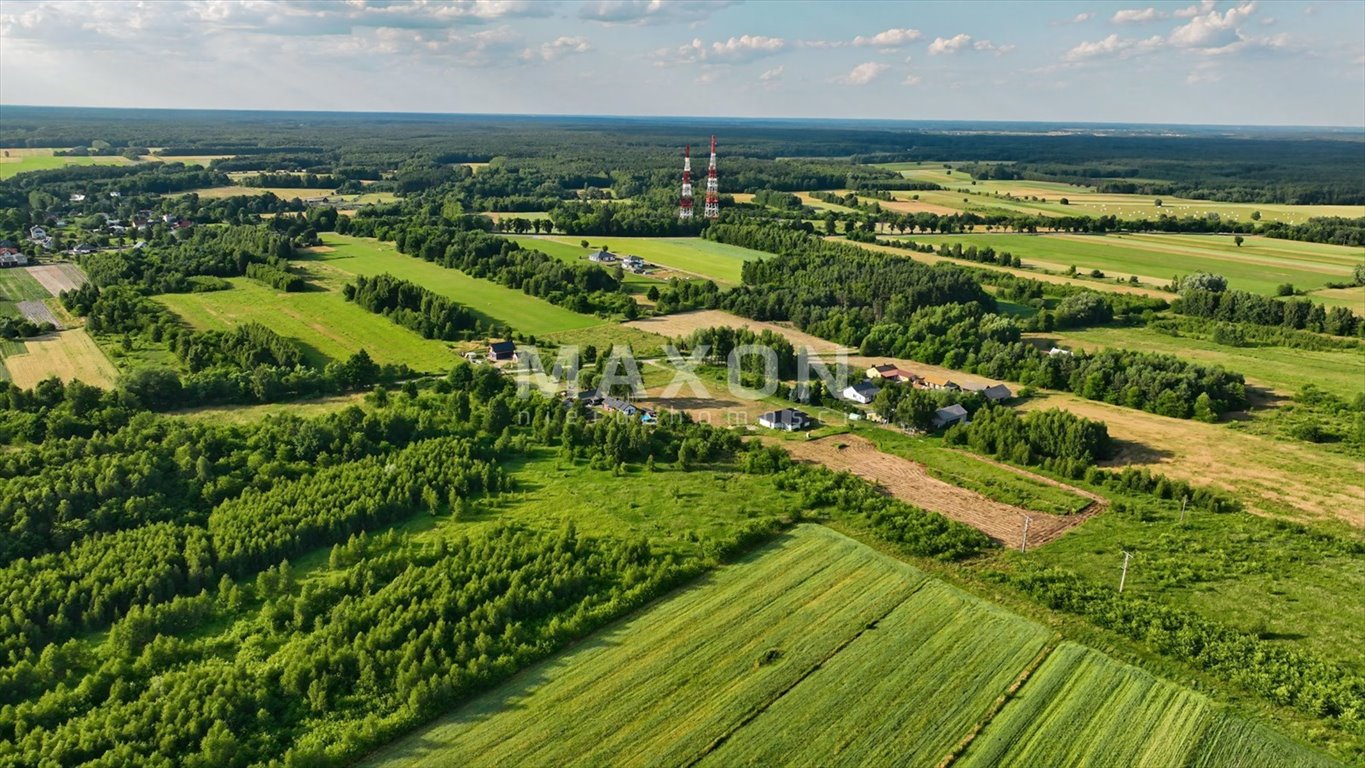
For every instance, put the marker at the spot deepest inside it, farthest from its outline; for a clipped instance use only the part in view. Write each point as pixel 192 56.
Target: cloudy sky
pixel 1252 62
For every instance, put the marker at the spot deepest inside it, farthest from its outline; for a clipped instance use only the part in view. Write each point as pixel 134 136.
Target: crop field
pixel 904 692
pixel 691 255
pixel 17 285
pixel 58 277
pixel 326 325
pixel 1011 195
pixel 820 647
pixel 284 193
pixel 16 161
pixel 1083 708
pixel 573 253
pixel 1260 265
pixel 69 355
pixel 528 314
pixel 1284 370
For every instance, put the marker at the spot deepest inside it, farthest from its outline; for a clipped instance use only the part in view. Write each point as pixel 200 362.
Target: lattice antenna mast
pixel 712 190
pixel 685 203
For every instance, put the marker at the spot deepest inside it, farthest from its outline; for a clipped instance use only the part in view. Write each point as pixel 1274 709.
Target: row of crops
pixel 820 649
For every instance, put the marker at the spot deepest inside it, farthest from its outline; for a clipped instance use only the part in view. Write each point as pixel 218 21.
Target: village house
pixel 499 351
pixel 995 393
pixel 949 415
pixel 602 256
pixel 788 419
pixel 1058 351
pixel 889 372
pixel 10 256
pixel 862 392
pixel 937 381
pixel 77 197
pixel 37 233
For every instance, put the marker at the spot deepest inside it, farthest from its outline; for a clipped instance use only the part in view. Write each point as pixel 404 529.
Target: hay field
pixel 69 355
pixel 58 277
pixel 1259 265
pixel 1011 196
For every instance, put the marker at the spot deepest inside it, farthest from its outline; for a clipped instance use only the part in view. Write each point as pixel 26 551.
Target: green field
pixel 1283 369
pixel 327 326
pixel 1083 708
pixel 25 160
pixel 820 650
pixel 1260 265
pixel 1012 196
pixel 692 255
pixel 16 285
pixel 528 314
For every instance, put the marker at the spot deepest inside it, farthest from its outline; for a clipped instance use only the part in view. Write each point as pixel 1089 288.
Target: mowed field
pixel 528 314
pixel 1259 265
pixel 15 161
pixel 1284 370
pixel 69 355
pixel 816 650
pixel 691 255
pixel 1012 196
pixel 328 327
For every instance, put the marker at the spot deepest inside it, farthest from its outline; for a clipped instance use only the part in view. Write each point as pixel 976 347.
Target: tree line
pixel 412 306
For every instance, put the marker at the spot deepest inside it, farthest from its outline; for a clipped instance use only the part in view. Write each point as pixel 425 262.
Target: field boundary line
pixel 753 714
pixel 1000 702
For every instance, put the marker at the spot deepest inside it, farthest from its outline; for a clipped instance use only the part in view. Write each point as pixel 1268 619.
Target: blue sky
pixel 1251 62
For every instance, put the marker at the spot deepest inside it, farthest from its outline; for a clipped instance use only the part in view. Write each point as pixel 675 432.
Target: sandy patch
pixel 684 323
pixel 911 482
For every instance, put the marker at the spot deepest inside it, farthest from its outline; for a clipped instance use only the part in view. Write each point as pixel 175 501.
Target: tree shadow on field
pixel 1132 452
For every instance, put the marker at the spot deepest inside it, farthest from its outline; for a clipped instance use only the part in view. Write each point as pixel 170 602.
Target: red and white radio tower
pixel 712 191
pixel 685 204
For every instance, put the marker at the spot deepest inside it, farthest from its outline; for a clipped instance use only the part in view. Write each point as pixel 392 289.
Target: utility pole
pixel 1183 502
pixel 1023 545
pixel 1124 577
pixel 712 210
pixel 685 202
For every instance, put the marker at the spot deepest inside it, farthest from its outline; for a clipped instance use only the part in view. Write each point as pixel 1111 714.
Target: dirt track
pixel 911 483
pixel 684 323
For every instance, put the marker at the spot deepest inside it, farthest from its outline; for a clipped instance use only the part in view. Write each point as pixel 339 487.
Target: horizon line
pixel 694 118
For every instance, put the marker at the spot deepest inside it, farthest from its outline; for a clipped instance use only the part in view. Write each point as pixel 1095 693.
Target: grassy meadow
pixel 327 326
pixel 1259 265
pixel 1013 196
pixel 15 161
pixel 369 257
pixel 691 255
pixel 819 646
pixel 1284 370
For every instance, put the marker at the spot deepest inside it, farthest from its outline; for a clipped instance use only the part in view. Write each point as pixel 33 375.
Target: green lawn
pixel 1260 265
pixel 1283 369
pixel 12 166
pixel 693 255
pixel 16 285
pixel 527 314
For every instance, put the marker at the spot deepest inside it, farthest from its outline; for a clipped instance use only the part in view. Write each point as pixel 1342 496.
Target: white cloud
pixel 952 44
pixel 891 38
pixel 642 12
pixel 1113 45
pixel 864 73
pixel 1194 10
pixel 1136 15
pixel 989 47
pixel 1212 29
pixel 732 51
pixel 558 48
pixel 912 80
pixel 771 75
pixel 1081 18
